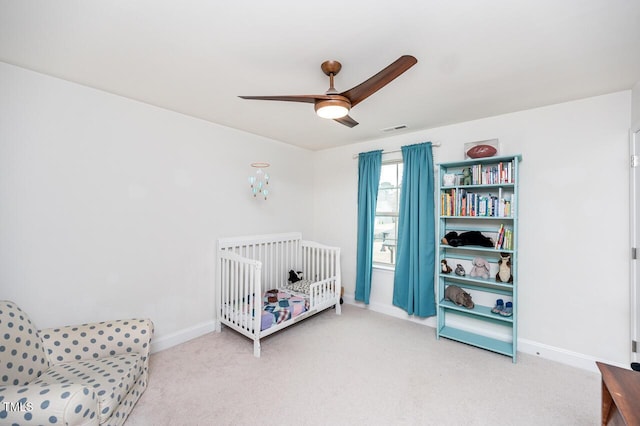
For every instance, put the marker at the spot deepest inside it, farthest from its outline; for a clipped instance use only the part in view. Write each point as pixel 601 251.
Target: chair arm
pixel 98 340
pixel 59 403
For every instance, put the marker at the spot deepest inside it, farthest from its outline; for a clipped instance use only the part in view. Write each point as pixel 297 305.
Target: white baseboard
pixel 181 336
pixel 563 356
pixel 390 310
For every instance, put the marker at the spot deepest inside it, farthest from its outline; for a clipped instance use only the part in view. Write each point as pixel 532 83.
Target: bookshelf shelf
pixel 487 204
pixel 481 341
pixel 488 185
pixel 478 310
pixel 475 248
pixel 489 284
pixel 478 217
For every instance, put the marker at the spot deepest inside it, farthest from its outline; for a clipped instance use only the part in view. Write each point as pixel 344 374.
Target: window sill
pixel 388 268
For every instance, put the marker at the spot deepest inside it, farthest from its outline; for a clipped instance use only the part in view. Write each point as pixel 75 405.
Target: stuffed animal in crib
pixel 272 295
pixel 480 268
pixel 446 269
pixel 504 269
pixel 294 276
pixel 458 296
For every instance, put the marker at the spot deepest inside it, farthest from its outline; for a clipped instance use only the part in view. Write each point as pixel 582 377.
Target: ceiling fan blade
pixel 293 98
pixel 367 88
pixel 347 121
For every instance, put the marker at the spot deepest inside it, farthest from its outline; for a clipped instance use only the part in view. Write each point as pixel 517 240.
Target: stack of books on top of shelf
pixel 504 240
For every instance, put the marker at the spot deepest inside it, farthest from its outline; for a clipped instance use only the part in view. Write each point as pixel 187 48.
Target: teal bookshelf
pixel 479 195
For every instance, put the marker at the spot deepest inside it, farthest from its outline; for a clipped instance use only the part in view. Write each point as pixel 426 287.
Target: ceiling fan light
pixel 332 108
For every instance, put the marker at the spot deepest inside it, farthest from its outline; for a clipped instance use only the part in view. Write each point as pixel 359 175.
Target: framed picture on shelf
pixel 481 149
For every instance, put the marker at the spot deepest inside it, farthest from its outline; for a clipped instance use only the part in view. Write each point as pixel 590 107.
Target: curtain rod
pixel 433 144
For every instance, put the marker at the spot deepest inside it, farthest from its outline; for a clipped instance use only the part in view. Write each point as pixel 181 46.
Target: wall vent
pixel 394 128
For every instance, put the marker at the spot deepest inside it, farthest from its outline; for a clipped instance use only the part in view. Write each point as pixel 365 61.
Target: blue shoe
pixel 508 310
pixel 499 307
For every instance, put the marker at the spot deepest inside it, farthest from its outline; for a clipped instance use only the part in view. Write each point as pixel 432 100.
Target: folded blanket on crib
pixel 287 306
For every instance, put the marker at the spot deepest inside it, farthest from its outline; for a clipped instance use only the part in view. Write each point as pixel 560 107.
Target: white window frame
pixel 392 214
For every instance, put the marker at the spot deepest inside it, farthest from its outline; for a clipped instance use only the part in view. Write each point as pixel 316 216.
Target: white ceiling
pixel 476 58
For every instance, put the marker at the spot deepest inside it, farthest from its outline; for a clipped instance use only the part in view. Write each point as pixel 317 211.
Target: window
pixel 385 229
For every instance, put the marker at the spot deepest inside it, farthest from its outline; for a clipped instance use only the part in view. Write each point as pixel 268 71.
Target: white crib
pixel 249 266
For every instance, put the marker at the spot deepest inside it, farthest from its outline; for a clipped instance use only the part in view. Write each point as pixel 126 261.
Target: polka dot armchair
pixel 88 374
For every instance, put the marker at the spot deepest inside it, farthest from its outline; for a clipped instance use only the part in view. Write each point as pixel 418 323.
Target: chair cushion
pixel 22 356
pixel 110 378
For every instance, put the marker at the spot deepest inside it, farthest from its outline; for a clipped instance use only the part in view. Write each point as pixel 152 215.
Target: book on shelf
pixel 504 238
pixel 500 237
pixel 460 202
pixel 508 239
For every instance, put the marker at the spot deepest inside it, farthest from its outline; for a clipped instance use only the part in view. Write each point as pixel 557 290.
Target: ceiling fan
pixel 336 106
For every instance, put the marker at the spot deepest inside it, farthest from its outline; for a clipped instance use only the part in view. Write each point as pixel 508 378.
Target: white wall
pixel 574 247
pixel 635 105
pixel 111 207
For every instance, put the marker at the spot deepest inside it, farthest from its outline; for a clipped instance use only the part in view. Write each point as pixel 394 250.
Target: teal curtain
pixel 369 165
pixel 413 287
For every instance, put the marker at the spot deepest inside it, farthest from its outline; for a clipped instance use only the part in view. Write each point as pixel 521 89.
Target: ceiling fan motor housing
pixel 336 107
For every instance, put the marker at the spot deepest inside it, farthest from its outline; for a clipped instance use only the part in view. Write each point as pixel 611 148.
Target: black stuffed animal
pixel 469 238
pixel 294 276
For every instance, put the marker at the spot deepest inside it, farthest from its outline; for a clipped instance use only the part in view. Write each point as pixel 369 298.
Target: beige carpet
pixel 355 369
